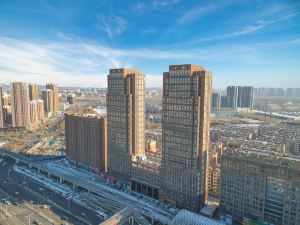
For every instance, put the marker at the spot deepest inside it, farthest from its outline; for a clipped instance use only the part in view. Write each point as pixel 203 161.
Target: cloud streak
pixel 83 63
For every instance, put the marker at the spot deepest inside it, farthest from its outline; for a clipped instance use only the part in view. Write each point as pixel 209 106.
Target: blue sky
pixel 75 42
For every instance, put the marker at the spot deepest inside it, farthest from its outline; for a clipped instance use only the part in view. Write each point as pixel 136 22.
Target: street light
pixel 29 218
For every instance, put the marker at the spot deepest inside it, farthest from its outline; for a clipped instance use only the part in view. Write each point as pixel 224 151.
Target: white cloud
pixel 157 4
pixel 69 63
pixel 112 25
pixel 196 13
pixel 82 63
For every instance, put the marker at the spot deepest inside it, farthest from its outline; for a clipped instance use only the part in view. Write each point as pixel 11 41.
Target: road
pixel 31 196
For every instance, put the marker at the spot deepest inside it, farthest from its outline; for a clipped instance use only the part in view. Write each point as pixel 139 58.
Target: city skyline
pixel 68 43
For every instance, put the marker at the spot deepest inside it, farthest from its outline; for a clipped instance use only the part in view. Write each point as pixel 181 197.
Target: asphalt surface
pixel 28 197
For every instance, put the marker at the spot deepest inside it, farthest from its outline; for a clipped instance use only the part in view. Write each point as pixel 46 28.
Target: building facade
pixel 20 105
pixel 185 135
pixel 216 101
pixel 55 96
pixel 36 112
pixel 33 92
pixel 86 140
pixel 245 97
pixel 261 186
pixel 232 97
pixel 126 119
pixel 47 96
pixel 71 99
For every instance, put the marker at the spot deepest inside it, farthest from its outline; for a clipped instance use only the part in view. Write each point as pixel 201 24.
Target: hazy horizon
pixel 75 43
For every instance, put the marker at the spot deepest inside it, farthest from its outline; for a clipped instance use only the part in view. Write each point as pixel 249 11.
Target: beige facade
pixel 40 110
pixel 20 105
pixel 33 92
pixel 86 139
pixel 260 185
pixel 185 135
pixel 47 96
pixel 33 113
pixel 126 119
pixel 55 101
pixel 36 112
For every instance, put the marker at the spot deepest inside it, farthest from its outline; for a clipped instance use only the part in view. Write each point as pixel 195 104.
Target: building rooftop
pixel 186 217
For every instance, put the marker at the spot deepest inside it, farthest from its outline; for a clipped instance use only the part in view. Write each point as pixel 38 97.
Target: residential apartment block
pixel 47 96
pixel 86 140
pixel 55 96
pixel 33 92
pixel 20 105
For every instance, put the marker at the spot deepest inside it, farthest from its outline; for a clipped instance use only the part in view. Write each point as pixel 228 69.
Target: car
pixel 45 207
pixel 17 203
pixel 64 218
pixel 31 202
pixel 83 214
pixel 8 203
pixel 17 193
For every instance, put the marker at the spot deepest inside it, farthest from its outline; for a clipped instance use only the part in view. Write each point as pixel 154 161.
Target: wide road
pixel 31 197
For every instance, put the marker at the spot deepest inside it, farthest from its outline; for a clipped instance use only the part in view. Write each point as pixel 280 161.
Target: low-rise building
pixel 86 140
pixel 260 185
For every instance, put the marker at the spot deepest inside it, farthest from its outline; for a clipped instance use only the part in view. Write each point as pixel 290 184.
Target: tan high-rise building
pixel 20 105
pixel 33 113
pixel 55 101
pixel 47 96
pixel 86 140
pixel 1 110
pixel 185 135
pixel 33 92
pixel 126 119
pixel 36 111
pixel 40 110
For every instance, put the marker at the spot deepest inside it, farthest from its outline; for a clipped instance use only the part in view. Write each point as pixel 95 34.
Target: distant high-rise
pixel 47 96
pixel 223 101
pixel 71 99
pixel 40 110
pixel 55 101
pixel 33 92
pixel 290 92
pixel 36 111
pixel 86 140
pixel 232 97
pixel 1 110
pixel 245 97
pixel 33 112
pixel 20 105
pixel 126 119
pixel 185 135
pixel 216 101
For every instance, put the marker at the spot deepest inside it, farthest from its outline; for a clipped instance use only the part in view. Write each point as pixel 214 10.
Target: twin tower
pixel 185 130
